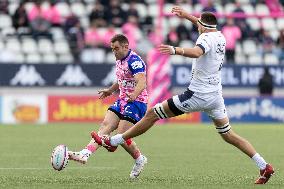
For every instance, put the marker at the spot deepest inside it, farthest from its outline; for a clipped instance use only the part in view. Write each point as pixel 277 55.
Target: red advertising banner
pixel 77 108
pixel 92 109
pixel 187 118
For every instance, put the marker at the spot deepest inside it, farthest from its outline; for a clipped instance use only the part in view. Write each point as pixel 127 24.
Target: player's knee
pixel 150 115
pixel 226 133
pixel 224 129
pixel 159 112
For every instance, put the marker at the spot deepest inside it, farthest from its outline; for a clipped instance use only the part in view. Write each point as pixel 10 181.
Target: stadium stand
pixel 55 31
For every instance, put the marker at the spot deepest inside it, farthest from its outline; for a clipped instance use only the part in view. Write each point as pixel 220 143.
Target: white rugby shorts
pixel 211 103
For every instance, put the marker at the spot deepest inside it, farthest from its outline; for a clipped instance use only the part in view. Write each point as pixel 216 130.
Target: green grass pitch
pixel 179 156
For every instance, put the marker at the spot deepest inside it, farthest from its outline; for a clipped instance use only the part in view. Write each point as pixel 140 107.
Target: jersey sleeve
pixel 136 65
pixel 204 43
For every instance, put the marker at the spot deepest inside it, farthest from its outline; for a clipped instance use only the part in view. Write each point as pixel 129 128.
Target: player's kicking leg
pixel 160 111
pixel 224 129
pixel 109 124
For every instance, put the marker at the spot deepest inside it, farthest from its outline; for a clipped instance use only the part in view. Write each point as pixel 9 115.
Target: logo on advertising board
pixel 24 109
pixel 77 108
pixel 254 109
pixel 27 76
pixel 73 76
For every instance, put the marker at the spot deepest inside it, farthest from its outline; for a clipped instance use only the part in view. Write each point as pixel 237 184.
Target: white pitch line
pixel 45 168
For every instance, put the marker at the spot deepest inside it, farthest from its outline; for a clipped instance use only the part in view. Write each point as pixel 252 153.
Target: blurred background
pixel 55 55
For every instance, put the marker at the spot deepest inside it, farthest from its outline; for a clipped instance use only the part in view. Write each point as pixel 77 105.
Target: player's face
pixel 119 50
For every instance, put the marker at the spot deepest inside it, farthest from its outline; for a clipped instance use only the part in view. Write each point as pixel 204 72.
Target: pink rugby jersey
pixel 126 69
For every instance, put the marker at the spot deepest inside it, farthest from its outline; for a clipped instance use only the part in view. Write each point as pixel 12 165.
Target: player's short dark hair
pixel 122 39
pixel 208 18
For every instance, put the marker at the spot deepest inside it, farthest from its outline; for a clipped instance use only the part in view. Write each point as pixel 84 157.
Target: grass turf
pixel 179 156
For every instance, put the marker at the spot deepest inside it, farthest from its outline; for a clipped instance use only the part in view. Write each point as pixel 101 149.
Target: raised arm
pixel 194 52
pixel 180 12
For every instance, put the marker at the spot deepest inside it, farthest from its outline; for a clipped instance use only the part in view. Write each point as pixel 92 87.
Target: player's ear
pixel 126 46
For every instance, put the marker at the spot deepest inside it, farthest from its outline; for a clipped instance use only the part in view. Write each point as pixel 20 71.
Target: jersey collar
pixel 126 55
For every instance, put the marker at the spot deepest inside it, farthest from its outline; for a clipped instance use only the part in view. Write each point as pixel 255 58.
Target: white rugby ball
pixel 59 157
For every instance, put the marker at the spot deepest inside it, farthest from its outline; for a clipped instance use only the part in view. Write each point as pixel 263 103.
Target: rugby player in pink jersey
pixel 128 109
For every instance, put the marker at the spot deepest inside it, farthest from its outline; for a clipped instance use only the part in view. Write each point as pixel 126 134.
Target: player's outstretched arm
pixel 194 52
pixel 107 92
pixel 180 12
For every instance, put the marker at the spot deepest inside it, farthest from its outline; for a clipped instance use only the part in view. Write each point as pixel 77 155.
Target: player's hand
pixel 131 97
pixel 178 11
pixel 166 49
pixel 104 93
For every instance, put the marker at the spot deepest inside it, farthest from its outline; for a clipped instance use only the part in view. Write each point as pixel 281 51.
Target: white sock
pixel 140 158
pixel 260 162
pixel 116 140
pixel 86 151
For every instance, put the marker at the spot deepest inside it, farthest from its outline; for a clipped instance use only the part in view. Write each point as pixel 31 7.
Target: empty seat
pixel 268 24
pixel 280 23
pixel 186 44
pixel 238 48
pixel 168 8
pixel 49 58
pixel 66 58
pixel 6 56
pixel 219 8
pixel 248 9
pixel 274 34
pixel 254 23
pixel 271 59
pixel 78 9
pixel 177 60
pixel 61 47
pixel 174 21
pixel 197 8
pixel 85 22
pixel 262 9
pixel 95 55
pixel 110 58
pixel 249 47
pixel 13 45
pixel 29 6
pixel 255 59
pixel 243 2
pixel 63 8
pixel 153 10
pixel 142 10
pixel 240 58
pixel 12 8
pixel 19 58
pixel 57 33
pixel 33 58
pixel 45 46
pixel 5 21
pixel 29 45
pixel 2 45
pixel 87 56
pixel 229 8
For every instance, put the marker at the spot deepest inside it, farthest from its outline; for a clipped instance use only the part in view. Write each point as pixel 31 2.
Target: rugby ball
pixel 59 157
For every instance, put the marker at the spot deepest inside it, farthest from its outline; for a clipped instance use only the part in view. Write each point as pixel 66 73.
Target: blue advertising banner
pixel 56 75
pixel 253 110
pixel 232 75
